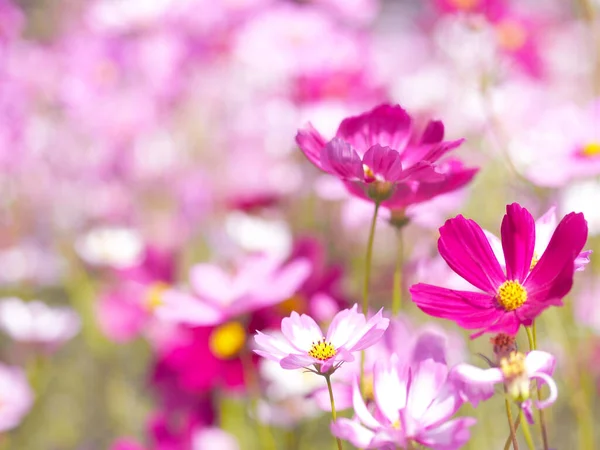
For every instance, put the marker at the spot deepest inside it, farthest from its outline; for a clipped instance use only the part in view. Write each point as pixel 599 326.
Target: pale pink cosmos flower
pixel 515 371
pixel 413 403
pixel 304 345
pixel 217 295
pixel 544 229
pixel 16 397
pixel 36 323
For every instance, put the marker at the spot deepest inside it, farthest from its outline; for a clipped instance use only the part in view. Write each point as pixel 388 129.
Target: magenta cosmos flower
pixel 303 344
pixel 515 371
pixel 414 402
pixel 508 299
pixel 380 157
pixel 218 296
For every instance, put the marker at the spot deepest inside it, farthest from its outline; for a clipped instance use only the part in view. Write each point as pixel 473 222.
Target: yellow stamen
pixel 591 149
pixel 369 174
pixel 322 350
pixel 511 35
pixel 154 295
pixel 227 340
pixel 515 376
pixel 511 295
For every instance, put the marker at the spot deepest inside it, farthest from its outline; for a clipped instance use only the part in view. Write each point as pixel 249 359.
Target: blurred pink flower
pixel 490 8
pixel 414 402
pixel 544 230
pixel 218 296
pixel 508 300
pixel 303 344
pixel 36 323
pixel 127 444
pixel 16 397
pixel 515 371
pixel 214 438
pixel 378 157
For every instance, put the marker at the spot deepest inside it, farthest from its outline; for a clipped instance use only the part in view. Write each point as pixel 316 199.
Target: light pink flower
pixel 516 371
pixel 304 345
pixel 544 229
pixel 16 397
pixel 217 295
pixel 414 402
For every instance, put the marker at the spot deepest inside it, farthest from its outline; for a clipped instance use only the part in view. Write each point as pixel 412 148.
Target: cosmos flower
pixel 414 402
pixel 512 298
pixel 515 371
pixel 36 323
pixel 218 296
pixel 304 345
pixel 379 156
pixel 16 397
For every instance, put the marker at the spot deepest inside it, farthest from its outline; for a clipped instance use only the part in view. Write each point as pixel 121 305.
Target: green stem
pixel 509 438
pixel 333 412
pixel 526 431
pixel 513 432
pixel 397 293
pixel 365 300
pixel 543 430
pixel 530 338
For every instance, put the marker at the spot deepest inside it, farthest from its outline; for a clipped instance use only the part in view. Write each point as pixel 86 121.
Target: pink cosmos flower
pixel 516 372
pixel 218 296
pixel 16 397
pixel 544 230
pixel 303 344
pixel 508 299
pixel 414 402
pixel 380 157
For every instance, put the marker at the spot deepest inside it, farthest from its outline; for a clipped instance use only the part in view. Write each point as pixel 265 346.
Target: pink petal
pixel 469 310
pixel 549 278
pixel 339 158
pixel 353 432
pixel 434 132
pixel 344 325
pixel 272 347
pixel 552 396
pixel 451 435
pixel 384 162
pixel 301 331
pixel 296 362
pixel 473 383
pixel 386 125
pixel 518 241
pixel 360 409
pixel 427 378
pixel 389 387
pixel 464 247
pixel 539 361
pixel 311 143
pixel 186 309
pixel 212 283
pixel 445 404
pixel 342 393
pixel 429 345
pixel 582 260
pixel 509 323
pixel 369 333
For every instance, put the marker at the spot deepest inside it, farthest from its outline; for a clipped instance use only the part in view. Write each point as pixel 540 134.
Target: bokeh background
pixel 140 137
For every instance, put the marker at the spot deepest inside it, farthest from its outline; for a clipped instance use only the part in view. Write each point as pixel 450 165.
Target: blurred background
pixel 141 137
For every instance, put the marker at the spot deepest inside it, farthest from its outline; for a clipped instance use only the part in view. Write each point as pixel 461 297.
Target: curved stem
pixel 333 412
pixel 530 338
pixel 509 438
pixel 513 432
pixel 543 431
pixel 526 431
pixel 397 293
pixel 365 299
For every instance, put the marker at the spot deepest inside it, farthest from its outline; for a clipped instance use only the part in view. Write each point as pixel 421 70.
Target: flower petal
pixel 344 325
pixel 187 309
pixel 389 387
pixel 339 158
pixel 384 162
pixel 427 378
pixel 212 283
pixel 311 143
pixel 518 241
pixel 451 435
pixel 474 384
pixel 363 414
pixel 272 347
pixel 541 404
pixel 369 333
pixel 342 393
pixel 301 331
pixel 464 247
pixel 353 432
pixel 445 404
pixel 296 362
pixel 539 361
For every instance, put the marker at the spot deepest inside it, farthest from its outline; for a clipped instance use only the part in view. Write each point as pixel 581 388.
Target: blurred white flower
pixel 209 438
pixel 16 396
pixel 111 246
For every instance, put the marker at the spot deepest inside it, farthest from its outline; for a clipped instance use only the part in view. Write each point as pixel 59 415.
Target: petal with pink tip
pixel 311 143
pixel 384 162
pixel 272 347
pixel 451 435
pixel 345 325
pixel 427 379
pixel 360 409
pixel 553 390
pixel 353 432
pixel 340 159
pixel 369 333
pixel 296 362
pixel 539 361
pixel 474 384
pixel 211 283
pixel 464 247
pixel 518 241
pixel 445 404
pixel 301 331
pixel 389 388
pixel 185 308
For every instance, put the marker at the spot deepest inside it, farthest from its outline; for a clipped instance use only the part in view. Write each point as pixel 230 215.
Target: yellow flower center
pixel 511 35
pixel 515 376
pixel 591 150
pixel 511 295
pixel 227 340
pixel 322 350
pixel 465 4
pixel 154 295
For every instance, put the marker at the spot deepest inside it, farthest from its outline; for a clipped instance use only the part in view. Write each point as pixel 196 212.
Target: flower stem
pixel 513 433
pixel 530 338
pixel 365 302
pixel 397 293
pixel 509 438
pixel 543 431
pixel 333 412
pixel 526 431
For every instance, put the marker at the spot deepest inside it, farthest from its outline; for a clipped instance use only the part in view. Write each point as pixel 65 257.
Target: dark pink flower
pixel 379 157
pixel 506 300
